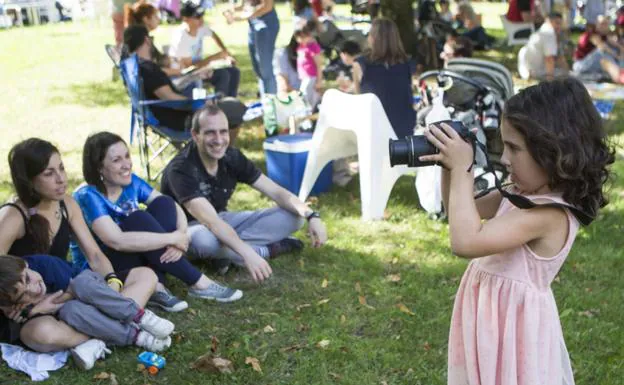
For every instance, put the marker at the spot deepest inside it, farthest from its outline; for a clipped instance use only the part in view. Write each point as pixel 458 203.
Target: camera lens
pixel 399 151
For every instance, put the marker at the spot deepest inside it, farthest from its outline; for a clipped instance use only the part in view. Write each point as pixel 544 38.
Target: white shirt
pixel 542 43
pixel 184 45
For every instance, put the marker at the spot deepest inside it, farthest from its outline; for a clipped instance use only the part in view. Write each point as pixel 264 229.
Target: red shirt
pixel 516 7
pixel 585 46
pixel 317 7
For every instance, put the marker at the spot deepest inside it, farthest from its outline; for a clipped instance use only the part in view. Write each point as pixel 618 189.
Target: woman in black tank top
pixel 41 221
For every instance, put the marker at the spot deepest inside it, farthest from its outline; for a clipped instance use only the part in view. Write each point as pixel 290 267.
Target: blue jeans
pixel 226 80
pixel 261 42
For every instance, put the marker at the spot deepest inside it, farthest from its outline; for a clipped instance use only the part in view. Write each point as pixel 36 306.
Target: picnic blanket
pixel 604 96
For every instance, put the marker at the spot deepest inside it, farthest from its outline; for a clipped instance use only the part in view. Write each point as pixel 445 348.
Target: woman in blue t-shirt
pixel 155 237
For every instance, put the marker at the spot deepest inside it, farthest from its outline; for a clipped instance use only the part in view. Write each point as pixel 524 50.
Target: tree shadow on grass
pixel 357 310
pixel 92 94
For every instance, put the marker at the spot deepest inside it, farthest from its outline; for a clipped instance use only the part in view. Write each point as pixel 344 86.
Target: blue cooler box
pixel 286 157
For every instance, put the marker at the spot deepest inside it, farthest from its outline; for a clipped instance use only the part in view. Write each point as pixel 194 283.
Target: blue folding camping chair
pixel 154 138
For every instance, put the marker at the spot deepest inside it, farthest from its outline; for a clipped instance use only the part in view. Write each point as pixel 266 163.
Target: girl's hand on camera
pixel 455 153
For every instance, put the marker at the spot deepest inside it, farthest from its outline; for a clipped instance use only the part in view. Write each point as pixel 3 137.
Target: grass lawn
pixel 379 294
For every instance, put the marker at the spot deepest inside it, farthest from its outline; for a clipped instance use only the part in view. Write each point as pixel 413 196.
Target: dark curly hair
pixel 564 134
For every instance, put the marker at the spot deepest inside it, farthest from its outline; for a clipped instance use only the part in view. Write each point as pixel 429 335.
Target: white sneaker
pixel 156 326
pixel 151 343
pixel 88 352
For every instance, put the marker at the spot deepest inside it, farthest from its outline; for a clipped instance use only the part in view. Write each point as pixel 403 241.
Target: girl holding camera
pixel 505 327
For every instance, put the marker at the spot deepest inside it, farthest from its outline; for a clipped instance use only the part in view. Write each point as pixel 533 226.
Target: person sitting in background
pixel 543 58
pixel 285 67
pixel 386 71
pixel 474 31
pixel 158 85
pixel 599 53
pixel 187 50
pixel 144 13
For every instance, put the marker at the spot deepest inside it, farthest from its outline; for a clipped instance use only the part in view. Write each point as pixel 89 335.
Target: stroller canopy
pixel 492 75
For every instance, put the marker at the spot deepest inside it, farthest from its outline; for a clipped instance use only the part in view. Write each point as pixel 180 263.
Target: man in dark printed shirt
pixel 203 177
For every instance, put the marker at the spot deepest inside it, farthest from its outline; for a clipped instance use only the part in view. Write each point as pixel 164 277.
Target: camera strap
pixel 520 201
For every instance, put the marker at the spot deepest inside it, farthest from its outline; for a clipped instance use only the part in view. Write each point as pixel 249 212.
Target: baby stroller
pixel 475 93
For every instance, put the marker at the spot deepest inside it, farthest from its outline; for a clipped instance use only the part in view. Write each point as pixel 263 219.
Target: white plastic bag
pixel 428 178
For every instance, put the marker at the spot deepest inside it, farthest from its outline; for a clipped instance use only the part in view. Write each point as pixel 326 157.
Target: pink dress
pixel 505 328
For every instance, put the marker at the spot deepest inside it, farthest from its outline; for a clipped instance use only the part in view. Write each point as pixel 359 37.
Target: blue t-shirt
pixel 94 205
pixel 55 272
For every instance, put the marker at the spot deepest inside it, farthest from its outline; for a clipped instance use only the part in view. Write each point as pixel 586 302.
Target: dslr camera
pixel 408 150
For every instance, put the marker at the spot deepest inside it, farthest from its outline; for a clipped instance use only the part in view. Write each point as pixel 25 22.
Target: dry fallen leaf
pixel 211 364
pixel 322 344
pixel 214 345
pixel 113 380
pixel 393 277
pixel 192 311
pixel 303 306
pixel 383 382
pixel 335 376
pixel 141 368
pixel 395 260
pixel 255 364
pixel 324 283
pixel 293 348
pixel 405 309
pixel 386 214
pixel 426 346
pixel 343 319
pixel 302 328
pixel 236 345
pixel 363 302
pixel 312 200
pixel 323 301
pixel 269 329
pixel 102 376
pixel 358 288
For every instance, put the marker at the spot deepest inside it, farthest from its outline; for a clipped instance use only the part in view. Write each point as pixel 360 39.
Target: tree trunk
pixel 402 13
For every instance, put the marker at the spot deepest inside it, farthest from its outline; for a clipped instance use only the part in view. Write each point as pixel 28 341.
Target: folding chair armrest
pixel 184 105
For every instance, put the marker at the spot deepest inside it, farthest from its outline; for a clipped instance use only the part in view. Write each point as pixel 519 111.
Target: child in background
pixel 505 328
pixel 348 52
pixel 445 12
pixel 85 302
pixel 456 46
pixel 309 63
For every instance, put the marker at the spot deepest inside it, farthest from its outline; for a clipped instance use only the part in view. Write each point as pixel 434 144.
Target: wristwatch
pixel 313 214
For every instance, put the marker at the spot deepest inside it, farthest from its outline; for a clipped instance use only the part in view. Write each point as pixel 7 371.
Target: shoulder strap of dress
pixel 18 208
pixel 64 209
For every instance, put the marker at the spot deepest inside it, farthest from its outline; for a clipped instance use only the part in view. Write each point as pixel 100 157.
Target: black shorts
pixel 9 330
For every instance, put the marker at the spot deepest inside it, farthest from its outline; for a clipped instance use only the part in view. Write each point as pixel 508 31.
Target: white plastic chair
pixel 350 125
pixel 511 28
pixel 523 69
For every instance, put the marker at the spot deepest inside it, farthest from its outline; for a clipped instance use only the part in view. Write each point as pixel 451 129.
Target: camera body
pixel 406 151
